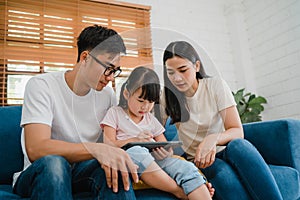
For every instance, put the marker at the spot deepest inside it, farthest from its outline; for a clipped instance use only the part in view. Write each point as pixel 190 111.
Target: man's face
pixel 95 74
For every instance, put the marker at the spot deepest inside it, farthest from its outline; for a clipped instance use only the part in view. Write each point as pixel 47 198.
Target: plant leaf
pixel 249 106
pixel 257 100
pixel 252 96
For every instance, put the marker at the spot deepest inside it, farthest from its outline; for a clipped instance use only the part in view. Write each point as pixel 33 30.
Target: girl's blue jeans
pixel 240 172
pixel 52 177
pixel 185 173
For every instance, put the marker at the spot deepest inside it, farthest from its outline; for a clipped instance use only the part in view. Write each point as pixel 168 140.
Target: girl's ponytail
pixel 122 100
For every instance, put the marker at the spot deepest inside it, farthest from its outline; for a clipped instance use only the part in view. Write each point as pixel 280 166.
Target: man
pixel 60 119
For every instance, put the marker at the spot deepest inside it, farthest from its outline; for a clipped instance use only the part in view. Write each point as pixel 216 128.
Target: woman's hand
pixel 206 151
pixel 161 153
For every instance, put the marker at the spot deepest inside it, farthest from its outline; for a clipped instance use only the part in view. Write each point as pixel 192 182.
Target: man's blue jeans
pixel 240 172
pixel 52 177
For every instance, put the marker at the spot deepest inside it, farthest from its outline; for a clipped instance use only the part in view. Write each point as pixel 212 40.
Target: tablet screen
pixel 153 145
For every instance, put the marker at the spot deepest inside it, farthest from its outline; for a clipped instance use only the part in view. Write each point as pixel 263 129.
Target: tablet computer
pixel 153 145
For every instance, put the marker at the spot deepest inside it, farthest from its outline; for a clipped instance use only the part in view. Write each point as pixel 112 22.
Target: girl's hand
pixel 161 153
pixel 145 137
pixel 206 151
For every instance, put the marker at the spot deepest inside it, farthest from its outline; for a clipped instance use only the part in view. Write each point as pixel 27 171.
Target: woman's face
pixel 182 74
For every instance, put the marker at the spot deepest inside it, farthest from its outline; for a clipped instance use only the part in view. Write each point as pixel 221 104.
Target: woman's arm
pixel 206 151
pixel 232 124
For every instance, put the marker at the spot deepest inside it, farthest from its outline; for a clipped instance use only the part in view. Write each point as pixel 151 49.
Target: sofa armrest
pixel 278 141
pixel 11 156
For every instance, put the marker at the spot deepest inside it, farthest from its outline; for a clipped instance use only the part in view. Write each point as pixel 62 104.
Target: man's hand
pixel 112 160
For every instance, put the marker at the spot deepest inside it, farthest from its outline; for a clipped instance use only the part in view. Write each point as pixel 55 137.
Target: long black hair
pixel 176 106
pixel 146 79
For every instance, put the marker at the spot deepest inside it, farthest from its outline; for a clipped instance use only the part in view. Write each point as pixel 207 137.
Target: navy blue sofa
pixel 11 158
pixel 278 141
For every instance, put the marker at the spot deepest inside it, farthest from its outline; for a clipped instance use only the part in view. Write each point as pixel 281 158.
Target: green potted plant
pixel 249 106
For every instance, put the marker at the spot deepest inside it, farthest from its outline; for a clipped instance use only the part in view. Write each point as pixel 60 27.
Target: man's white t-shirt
pixel 212 96
pixel 48 100
pixel 126 128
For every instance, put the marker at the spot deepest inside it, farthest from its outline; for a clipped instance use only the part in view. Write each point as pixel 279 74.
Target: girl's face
pixel 182 74
pixel 137 107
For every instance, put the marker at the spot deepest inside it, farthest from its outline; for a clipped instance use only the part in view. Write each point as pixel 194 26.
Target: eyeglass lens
pixel 108 70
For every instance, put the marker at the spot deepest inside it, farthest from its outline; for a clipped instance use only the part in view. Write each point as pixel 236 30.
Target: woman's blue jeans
pixel 240 172
pixel 52 177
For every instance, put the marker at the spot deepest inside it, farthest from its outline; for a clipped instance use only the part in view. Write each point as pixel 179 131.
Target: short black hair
pixel 100 39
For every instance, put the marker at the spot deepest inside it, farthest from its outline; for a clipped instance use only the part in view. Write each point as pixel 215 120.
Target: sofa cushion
pixel 11 156
pixel 153 194
pixel 277 141
pixel 6 193
pixel 288 181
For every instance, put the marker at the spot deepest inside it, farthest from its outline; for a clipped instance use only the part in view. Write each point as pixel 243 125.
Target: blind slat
pixel 36 36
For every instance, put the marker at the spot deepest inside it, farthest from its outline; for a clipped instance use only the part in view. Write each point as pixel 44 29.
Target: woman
pixel 208 123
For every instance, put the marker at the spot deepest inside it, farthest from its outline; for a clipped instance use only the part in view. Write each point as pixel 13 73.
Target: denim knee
pixel 238 143
pixel 192 178
pixel 56 168
pixel 185 173
pixel 239 147
pixel 223 177
pixel 141 157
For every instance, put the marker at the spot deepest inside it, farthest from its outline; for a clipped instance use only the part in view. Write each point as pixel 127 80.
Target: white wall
pixel 252 43
pixel 200 22
pixel 273 27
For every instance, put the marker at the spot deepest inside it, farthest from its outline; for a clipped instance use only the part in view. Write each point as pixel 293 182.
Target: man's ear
pixel 83 56
pixel 198 65
pixel 126 94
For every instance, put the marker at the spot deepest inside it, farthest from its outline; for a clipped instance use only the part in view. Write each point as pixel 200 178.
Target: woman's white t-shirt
pixel 212 96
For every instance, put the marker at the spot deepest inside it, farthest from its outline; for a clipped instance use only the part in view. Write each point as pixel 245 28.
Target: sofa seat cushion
pixel 6 193
pixel 288 181
pixel 153 194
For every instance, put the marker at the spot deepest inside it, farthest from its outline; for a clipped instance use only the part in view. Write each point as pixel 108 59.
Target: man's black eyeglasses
pixel 109 69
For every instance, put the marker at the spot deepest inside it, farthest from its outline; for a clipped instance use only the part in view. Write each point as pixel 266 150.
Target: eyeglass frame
pixel 109 69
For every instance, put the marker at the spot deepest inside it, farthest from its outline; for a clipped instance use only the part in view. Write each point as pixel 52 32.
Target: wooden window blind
pixel 38 36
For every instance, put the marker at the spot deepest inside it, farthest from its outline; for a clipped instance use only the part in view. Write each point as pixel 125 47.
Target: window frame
pixel 27 36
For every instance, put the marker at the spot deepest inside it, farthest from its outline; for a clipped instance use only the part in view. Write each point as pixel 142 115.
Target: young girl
pixel 132 121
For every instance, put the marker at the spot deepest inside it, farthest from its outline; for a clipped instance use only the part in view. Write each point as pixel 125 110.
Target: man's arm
pixel 38 143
